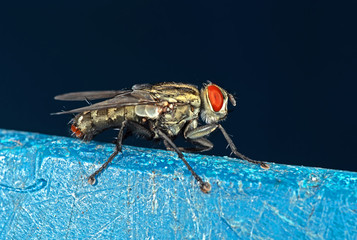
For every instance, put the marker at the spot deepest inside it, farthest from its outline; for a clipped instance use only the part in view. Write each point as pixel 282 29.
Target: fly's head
pixel 214 103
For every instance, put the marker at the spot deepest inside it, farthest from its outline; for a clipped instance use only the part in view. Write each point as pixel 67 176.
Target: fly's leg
pixel 200 145
pixel 135 128
pixel 118 147
pixel 140 130
pixel 238 154
pixel 205 186
pixel 207 129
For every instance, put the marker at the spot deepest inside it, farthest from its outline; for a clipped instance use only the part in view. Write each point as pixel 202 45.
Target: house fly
pixel 161 111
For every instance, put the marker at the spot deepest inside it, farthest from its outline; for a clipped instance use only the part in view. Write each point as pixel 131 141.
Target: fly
pixel 161 111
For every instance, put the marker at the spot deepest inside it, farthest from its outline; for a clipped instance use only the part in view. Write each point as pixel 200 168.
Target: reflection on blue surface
pixel 149 193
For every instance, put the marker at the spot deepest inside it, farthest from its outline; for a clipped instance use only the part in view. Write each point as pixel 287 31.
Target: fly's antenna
pixel 232 99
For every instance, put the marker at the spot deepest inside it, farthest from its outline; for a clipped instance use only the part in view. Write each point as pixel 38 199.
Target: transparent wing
pixel 142 86
pixel 89 95
pixel 125 98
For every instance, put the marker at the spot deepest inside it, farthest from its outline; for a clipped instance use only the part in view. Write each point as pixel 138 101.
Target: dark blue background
pixel 291 65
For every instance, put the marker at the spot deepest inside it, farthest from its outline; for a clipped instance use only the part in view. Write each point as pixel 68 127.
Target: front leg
pixel 196 136
pixel 200 132
pixel 205 130
pixel 200 145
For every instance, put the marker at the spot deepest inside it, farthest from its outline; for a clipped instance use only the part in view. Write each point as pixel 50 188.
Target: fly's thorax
pixel 173 121
pixel 214 103
pixel 90 123
pixel 176 104
pixel 176 93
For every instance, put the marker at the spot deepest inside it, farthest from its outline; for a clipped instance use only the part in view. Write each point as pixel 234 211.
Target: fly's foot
pixel 264 165
pixel 205 187
pixel 91 180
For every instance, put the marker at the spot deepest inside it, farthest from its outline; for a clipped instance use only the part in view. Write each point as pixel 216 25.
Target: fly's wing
pixel 125 98
pixel 90 95
pixel 143 86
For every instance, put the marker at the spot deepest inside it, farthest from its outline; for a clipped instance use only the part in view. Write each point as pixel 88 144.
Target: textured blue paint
pixel 148 193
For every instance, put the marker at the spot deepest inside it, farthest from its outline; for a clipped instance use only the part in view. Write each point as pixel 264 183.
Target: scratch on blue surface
pixel 148 193
pixel 229 226
pixel 38 185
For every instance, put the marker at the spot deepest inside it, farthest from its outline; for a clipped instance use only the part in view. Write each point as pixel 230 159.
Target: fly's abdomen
pixel 90 123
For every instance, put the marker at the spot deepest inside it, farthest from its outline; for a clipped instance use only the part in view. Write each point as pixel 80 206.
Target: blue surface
pixel 148 193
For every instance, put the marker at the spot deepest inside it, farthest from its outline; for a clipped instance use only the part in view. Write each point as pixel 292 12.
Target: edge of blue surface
pixel 150 192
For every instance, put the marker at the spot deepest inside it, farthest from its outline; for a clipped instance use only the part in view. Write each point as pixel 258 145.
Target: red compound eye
pixel 215 97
